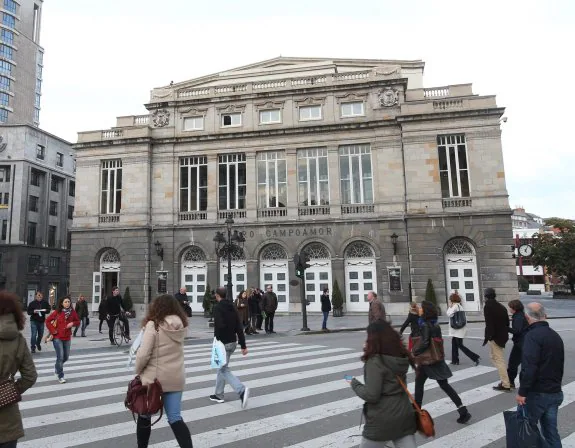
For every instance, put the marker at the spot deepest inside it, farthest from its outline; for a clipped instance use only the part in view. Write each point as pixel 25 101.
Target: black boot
pixel 182 434
pixel 143 431
pixel 464 415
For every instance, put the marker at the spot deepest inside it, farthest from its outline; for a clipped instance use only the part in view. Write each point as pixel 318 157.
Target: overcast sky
pixel 103 57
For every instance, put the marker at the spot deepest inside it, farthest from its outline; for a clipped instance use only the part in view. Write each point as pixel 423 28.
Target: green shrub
pixel 127 299
pixel 430 295
pixel 207 302
pixel 336 297
pixel 522 283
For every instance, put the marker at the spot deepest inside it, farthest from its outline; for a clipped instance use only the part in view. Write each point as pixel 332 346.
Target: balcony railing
pixel 450 203
pixel 317 210
pixel 193 216
pixel 236 214
pixel 272 212
pixel 112 133
pixel 108 219
pixel 357 209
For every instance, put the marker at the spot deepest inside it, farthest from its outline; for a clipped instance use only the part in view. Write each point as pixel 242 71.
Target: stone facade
pixel 375 136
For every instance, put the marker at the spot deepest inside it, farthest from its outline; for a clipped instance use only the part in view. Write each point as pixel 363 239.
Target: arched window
pixel 459 246
pixel 359 249
pixel 194 253
pixel 110 256
pixel 317 251
pixel 274 252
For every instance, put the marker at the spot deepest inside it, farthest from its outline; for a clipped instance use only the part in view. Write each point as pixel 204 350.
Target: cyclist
pixel 115 308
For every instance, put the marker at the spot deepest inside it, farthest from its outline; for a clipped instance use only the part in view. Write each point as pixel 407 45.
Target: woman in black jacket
pixel 427 331
pixel 102 312
pixel 325 308
pixel 412 319
pixel 518 326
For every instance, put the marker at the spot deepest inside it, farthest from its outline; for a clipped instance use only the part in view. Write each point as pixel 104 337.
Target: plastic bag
pixel 218 355
pixel 520 432
pixel 134 348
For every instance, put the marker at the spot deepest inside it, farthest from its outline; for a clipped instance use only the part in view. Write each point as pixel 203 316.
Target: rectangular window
pixel 193 183
pixel 59 159
pixel 53 208
pixel 6 199
pixel 72 189
pixel 70 212
pixel 8 20
pixel 36 28
pixel 54 264
pixel 37 115
pixel 356 174
pixel 35 177
pixel 4 229
pixel 32 233
pixel 272 179
pixel 37 100
pixel 270 116
pixel 3 115
pixel 232 181
pixel 111 198
pixel 309 113
pixel 40 152
pixel 230 120
pixel 33 263
pixel 7 36
pixel 6 67
pixel 352 109
pixel 6 52
pixel 5 174
pixel 55 184
pixel 39 71
pixel 33 203
pixel 194 124
pixel 4 99
pixel 51 236
pixel 39 85
pixel 5 83
pixel 313 177
pixel 10 5
pixel 453 168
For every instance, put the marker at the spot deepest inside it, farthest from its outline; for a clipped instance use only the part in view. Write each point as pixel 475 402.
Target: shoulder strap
pixel 404 387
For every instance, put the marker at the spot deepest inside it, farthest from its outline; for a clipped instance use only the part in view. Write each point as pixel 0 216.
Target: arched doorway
pixel 194 276
pixel 107 277
pixel 461 272
pixel 360 275
pixel 239 271
pixel 274 270
pixel 318 276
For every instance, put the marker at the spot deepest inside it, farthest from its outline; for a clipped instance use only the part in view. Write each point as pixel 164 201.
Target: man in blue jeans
pixel 38 309
pixel 542 367
pixel 227 325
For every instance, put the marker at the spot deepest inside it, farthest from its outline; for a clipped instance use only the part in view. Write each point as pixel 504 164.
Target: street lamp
pixel 394 238
pixel 225 247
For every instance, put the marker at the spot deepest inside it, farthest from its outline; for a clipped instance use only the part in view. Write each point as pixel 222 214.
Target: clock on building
pixel 525 250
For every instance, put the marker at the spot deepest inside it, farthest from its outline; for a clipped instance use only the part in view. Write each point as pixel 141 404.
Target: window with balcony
pixel 5 83
pixel 70 212
pixel 8 20
pixel 59 159
pixel 33 263
pixel 6 67
pixel 52 236
pixel 271 116
pixel 40 152
pixel 309 113
pixel 53 208
pixel 356 175
pixel 193 184
pixel 232 181
pixel 37 115
pixel 32 226
pixel 352 109
pixel 7 36
pixel 453 170
pixel 4 99
pixel 313 177
pixel 35 176
pixel 272 179
pixel 194 124
pixel 33 203
pixel 38 85
pixel 10 5
pixel 231 120
pixel 55 184
pixel 72 189
pixel 6 52
pixel 111 189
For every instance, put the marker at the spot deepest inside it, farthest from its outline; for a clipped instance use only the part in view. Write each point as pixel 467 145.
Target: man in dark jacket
pixel 542 367
pixel 38 309
pixel 270 305
pixel 518 327
pixel 115 305
pixel 228 329
pixel 496 325
pixel 325 308
pixel 83 314
pixel 182 297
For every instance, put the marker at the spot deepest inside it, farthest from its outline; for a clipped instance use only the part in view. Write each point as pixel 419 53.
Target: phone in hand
pixel 348 377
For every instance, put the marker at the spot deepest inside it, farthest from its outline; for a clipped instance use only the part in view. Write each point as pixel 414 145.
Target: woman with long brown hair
pixel 458 334
pixel 59 323
pixel 161 356
pixel 388 412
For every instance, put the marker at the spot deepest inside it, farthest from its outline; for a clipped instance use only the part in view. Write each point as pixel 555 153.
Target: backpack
pixel 458 320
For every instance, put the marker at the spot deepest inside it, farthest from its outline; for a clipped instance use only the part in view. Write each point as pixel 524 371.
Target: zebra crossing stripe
pixel 487 430
pixel 244 430
pixel 569 441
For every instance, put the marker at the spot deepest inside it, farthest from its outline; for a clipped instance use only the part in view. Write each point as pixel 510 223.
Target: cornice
pixel 495 111
pixel 269 105
pixel 192 111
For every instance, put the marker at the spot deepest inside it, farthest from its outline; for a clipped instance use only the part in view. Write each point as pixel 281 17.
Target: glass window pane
pixel 310 298
pixel 268 277
pixel 453 171
pixel 444 176
pixel 454 285
pixel 356 183
pixel 442 159
pixel 367 191
pixel 310 287
pixel 282 171
pixel 240 277
pixel 353 275
pixel 323 286
pixel 354 286
pixel 464 175
pixel 309 276
pixel 368 286
pixel 468 272
pixel 323 276
pixel 281 276
pixel 282 298
pixel 281 287
pixel 189 278
pixel 454 273
pixel 201 277
pixel 354 298
pixel 367 275
pixel 201 288
pixel 461 156
pixel 468 285
pixel 366 165
pixel 469 297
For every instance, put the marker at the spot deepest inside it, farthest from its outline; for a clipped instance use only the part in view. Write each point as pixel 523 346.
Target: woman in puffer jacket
pixel 161 356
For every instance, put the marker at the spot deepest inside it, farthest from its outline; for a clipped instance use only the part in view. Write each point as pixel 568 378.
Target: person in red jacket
pixel 59 324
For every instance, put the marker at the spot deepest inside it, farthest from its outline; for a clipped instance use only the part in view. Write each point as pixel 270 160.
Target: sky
pixel 102 58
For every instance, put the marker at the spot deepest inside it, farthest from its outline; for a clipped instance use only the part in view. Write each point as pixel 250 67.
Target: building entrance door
pixel 461 273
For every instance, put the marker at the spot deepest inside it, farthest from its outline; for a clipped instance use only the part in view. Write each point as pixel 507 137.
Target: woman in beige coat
pixel 15 357
pixel 161 356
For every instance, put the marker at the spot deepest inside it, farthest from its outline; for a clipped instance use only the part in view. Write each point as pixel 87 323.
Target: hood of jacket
pixel 8 328
pixel 399 366
pixel 173 327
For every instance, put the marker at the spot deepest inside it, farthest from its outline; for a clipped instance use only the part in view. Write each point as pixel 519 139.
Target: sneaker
pixel 216 399
pixel 512 385
pixel 61 380
pixel 39 347
pixel 501 388
pixel 112 343
pixel 32 351
pixel 244 396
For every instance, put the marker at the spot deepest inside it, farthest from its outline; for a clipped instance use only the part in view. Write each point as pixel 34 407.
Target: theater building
pixel 384 183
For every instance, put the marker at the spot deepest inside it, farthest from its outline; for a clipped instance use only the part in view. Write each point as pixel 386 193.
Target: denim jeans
pixel 37 332
pixel 83 325
pixel 325 316
pixel 543 408
pixel 225 375
pixel 62 349
pixel 172 406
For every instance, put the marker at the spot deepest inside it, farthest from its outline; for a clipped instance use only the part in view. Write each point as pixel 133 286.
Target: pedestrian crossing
pixel 299 399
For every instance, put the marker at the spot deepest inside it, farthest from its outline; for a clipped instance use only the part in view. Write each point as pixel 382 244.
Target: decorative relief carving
pixel 161 118
pixel 388 97
pixel 270 105
pixel 161 93
pixel 194 111
pixel 194 253
pixel 308 101
pixel 387 70
pixel 274 252
pixel 459 246
pixel 110 256
pixel 351 97
pixel 359 249
pixel 232 108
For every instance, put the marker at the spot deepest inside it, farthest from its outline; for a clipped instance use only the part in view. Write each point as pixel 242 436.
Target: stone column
pixel 334 191
pixel 212 187
pixel 251 187
pixel 292 200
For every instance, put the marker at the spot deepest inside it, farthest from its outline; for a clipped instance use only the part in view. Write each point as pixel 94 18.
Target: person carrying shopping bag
pixel 458 330
pixel 160 356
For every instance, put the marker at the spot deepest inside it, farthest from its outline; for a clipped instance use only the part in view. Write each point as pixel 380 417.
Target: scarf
pixel 67 312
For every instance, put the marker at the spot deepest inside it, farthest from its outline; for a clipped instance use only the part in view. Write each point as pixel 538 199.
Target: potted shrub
pixel 128 304
pixel 207 302
pixel 430 295
pixel 336 300
pixel 522 283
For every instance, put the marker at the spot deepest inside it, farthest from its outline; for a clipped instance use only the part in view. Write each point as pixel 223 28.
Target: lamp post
pixel 226 247
pixel 394 238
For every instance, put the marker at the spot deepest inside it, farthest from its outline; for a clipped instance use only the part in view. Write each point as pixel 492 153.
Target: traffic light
pixel 301 264
pixel 304 259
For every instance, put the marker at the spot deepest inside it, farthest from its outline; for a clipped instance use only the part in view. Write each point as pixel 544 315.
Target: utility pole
pixel 301 262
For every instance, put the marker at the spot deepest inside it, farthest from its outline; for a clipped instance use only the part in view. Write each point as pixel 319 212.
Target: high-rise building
pixel 21 61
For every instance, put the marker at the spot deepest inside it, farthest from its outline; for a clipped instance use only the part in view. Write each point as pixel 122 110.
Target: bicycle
pixel 119 332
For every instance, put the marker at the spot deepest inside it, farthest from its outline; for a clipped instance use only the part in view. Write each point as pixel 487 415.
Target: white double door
pixel 276 273
pixel 194 279
pixel 239 276
pixel 462 276
pixel 317 278
pixel 360 279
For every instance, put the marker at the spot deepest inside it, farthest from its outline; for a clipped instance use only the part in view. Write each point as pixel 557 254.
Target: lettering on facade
pixel 290 233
